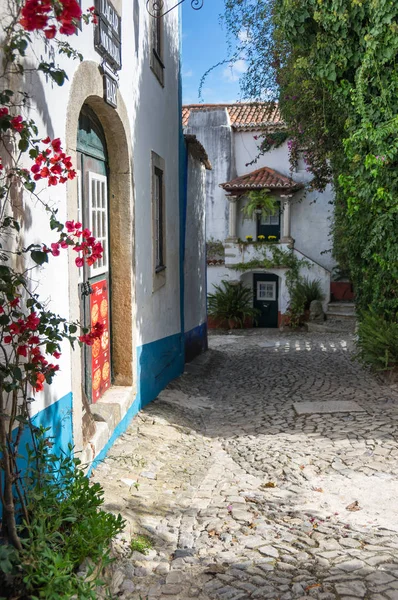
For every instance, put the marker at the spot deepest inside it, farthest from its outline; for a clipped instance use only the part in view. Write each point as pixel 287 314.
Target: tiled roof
pixel 243 115
pixel 260 179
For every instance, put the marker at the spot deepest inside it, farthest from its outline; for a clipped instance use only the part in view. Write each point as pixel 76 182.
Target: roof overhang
pixel 197 150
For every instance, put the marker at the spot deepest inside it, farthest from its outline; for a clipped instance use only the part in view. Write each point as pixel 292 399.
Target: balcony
pixel 255 253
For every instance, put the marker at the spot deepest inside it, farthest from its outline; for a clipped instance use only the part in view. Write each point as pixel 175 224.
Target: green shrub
pixel 232 302
pixel 377 342
pixel 309 290
pixel 63 526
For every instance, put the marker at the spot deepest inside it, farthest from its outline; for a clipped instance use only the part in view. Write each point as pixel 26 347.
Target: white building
pixel 119 118
pixel 231 134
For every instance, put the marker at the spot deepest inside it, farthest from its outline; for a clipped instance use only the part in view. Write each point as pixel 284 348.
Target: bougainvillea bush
pixel 31 333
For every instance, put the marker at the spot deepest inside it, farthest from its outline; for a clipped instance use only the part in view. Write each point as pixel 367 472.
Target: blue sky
pixel 204 44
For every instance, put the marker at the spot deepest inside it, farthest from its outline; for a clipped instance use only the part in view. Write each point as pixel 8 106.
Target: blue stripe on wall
pixel 58 419
pixel 195 341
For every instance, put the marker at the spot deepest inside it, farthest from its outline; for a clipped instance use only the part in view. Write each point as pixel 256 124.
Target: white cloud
pixel 243 35
pixel 187 73
pixel 233 72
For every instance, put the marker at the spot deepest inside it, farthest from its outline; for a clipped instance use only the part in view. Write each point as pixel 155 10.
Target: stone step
pixel 341 307
pixel 332 314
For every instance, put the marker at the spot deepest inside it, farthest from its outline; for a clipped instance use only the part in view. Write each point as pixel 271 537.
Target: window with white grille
pixel 270 220
pixel 98 199
pixel 266 290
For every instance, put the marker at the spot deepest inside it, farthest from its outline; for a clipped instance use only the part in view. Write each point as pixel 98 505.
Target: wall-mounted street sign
pixel 110 90
pixel 107 37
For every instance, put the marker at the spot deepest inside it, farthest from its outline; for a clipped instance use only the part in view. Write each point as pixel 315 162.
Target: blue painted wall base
pixel 195 342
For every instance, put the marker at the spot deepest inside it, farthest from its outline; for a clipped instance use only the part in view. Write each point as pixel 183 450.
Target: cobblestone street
pixel 248 492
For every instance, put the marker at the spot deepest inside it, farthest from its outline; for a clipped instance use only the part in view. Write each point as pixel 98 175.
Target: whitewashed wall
pixel 195 246
pixel 154 119
pixel 213 130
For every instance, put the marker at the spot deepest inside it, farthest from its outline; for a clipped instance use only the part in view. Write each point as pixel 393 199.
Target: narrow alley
pixel 267 471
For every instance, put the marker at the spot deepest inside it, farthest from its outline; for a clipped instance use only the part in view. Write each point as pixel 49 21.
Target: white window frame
pixel 269 298
pixel 79 209
pixel 102 266
pixel 271 219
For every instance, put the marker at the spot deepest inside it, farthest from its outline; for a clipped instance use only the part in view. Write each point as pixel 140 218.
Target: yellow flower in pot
pixel 249 238
pixel 261 238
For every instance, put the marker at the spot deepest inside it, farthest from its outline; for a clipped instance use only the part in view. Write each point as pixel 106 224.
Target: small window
pixel 158 221
pixel 157 65
pixel 158 210
pixel 270 220
pixel 266 290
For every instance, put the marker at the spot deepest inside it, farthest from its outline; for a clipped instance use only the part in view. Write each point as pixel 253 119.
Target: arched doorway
pixel 93 213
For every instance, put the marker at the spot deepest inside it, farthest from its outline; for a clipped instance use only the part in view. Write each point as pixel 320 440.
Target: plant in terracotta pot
pixel 232 303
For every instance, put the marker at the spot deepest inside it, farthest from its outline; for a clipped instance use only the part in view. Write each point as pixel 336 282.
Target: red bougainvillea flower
pixel 3 111
pixel 93 15
pixel 67 28
pixel 57 355
pixel 50 32
pixel 14 302
pixel 17 123
pixel 56 144
pixel 40 379
pixel 22 350
pixel 7 339
pixel 79 261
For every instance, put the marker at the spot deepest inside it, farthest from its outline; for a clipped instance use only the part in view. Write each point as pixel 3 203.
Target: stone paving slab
pixel 332 406
pixel 246 499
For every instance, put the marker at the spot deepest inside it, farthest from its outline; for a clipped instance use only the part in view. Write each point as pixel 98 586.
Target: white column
pixel 232 225
pixel 286 236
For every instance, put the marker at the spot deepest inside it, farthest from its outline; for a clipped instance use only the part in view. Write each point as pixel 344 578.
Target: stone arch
pixel 87 89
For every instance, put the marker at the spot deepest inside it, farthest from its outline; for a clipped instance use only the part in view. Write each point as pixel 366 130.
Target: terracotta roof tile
pixel 260 179
pixel 241 114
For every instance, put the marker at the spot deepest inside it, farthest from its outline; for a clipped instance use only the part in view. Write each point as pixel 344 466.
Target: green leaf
pixel 39 257
pixel 23 144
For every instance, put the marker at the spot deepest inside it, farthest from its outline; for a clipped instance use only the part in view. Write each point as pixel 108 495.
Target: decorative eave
pixel 265 126
pixel 264 178
pixel 197 150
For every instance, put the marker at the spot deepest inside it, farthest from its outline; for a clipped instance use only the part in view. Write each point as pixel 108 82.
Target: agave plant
pixel 310 290
pixel 232 302
pixel 260 201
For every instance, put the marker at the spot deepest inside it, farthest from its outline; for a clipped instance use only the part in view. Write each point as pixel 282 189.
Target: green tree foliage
pixel 332 65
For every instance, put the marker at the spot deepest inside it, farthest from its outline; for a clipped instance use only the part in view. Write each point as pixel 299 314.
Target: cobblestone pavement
pixel 245 499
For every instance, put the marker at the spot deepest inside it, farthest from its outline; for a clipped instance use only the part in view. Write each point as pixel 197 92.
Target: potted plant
pixel 231 303
pixel 249 239
pixel 259 204
pixel 261 238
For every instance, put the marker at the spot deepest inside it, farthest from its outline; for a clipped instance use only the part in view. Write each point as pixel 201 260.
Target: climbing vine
pixel 332 66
